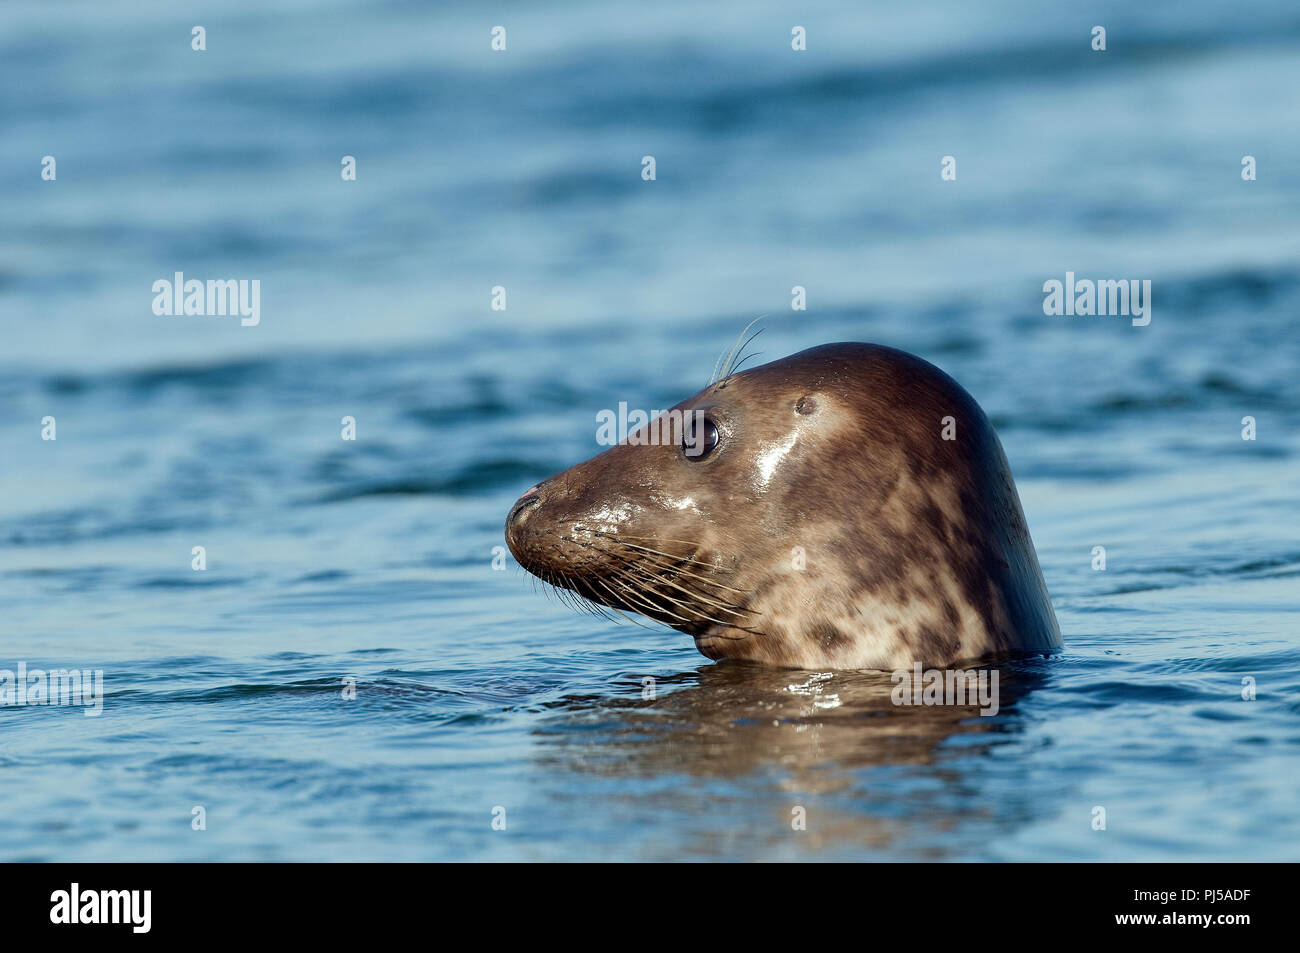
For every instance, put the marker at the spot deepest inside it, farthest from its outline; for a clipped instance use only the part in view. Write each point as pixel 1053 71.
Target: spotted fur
pixel 914 548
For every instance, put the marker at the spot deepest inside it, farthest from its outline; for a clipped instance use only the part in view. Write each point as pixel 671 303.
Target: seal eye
pixel 700 437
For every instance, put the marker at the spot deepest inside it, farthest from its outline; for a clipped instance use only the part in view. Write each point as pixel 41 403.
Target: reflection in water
pixel 747 739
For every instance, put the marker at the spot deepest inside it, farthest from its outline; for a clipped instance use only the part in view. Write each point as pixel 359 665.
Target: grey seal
pixel 847 507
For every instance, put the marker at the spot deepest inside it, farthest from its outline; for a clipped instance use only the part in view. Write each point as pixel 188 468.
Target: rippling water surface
pixel 373 558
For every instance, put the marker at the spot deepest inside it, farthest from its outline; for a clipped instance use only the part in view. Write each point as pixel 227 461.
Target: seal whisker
pixel 667 539
pixel 562 589
pixel 664 561
pixel 657 552
pixel 724 363
pixel 685 606
pixel 673 566
pixel 741 363
pixel 564 592
pixel 634 594
pixel 669 567
pixel 603 585
pixel 704 579
pixel 736 361
pixel 696 595
pixel 635 577
pixel 596 608
pixel 585 604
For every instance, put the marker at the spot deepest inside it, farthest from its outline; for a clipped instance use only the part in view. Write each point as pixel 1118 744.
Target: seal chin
pixel 713 645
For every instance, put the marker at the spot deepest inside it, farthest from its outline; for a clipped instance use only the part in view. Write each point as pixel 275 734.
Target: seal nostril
pixel 523 506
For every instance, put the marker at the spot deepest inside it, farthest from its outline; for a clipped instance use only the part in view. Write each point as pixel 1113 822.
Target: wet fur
pixel 915 548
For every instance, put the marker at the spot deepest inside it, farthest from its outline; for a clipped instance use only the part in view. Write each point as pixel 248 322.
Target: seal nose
pixel 519 514
pixel 525 504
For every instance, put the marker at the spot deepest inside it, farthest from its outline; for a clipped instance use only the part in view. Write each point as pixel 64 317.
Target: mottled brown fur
pixel 915 548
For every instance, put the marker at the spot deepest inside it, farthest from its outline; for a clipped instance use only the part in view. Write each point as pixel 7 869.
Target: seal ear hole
pixel 805 405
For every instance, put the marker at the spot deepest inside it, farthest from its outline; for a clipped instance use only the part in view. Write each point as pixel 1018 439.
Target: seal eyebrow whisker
pixel 731 368
pixel 726 363
pixel 740 364
pixel 722 359
pixel 736 361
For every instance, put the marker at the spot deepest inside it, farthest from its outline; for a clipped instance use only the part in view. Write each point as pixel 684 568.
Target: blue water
pixel 373 558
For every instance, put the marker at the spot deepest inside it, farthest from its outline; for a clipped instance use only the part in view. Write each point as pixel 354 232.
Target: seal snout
pixel 518 518
pixel 522 506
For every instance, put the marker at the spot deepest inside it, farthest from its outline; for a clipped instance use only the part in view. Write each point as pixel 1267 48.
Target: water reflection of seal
pixel 851 508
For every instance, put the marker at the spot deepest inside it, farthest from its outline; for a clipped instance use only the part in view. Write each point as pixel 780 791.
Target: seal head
pixel 846 507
